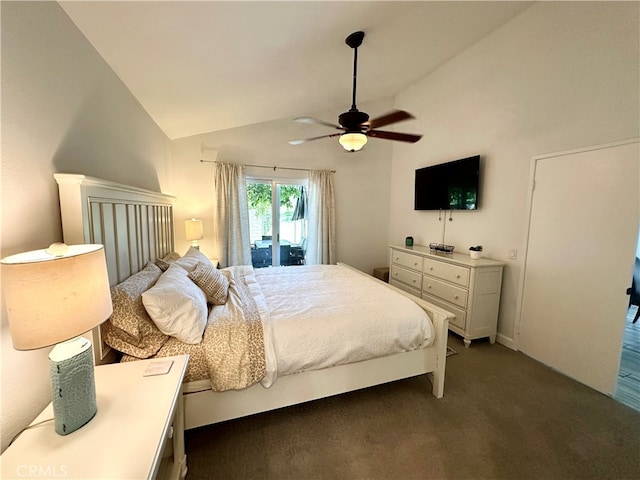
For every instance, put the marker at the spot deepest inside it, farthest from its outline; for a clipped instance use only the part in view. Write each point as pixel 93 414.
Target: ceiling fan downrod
pixel 354 41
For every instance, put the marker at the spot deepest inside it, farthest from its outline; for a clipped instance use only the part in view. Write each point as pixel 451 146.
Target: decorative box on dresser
pixel 470 289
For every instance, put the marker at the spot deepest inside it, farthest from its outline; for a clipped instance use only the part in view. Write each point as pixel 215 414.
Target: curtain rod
pixel 266 166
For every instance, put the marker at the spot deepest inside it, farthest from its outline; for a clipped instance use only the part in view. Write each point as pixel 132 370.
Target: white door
pixel 582 240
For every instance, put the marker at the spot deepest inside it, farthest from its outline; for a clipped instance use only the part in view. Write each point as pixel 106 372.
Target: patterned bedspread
pixel 232 351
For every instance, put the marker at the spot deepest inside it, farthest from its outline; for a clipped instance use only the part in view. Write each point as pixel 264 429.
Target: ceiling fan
pixel 355 124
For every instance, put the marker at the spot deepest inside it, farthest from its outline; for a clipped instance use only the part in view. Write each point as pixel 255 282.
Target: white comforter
pixel 323 315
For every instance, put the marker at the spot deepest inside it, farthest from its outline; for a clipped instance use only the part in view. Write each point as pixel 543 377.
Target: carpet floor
pixel 503 416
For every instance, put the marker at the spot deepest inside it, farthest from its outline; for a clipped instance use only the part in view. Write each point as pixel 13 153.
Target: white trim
pixel 506 341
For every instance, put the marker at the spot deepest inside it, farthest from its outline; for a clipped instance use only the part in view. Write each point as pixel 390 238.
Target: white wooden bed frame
pixel 136 226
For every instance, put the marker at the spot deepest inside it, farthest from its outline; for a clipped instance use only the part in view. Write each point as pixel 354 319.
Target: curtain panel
pixel 321 242
pixel 231 215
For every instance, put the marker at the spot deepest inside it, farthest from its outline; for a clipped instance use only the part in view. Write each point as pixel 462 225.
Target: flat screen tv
pixel 448 186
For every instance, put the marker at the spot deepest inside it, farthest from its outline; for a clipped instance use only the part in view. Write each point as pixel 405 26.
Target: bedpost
pixel 441 324
pixel 440 319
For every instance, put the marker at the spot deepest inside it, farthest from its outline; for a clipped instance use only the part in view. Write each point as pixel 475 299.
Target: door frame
pixel 275 181
pixel 530 197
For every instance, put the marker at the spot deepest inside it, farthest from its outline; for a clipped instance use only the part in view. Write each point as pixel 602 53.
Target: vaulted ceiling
pixel 203 66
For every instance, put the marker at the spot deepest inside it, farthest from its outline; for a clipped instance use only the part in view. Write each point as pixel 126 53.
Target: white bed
pixel 136 227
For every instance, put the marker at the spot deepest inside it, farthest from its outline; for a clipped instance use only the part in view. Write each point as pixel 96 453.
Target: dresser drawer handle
pixel 414 280
pixel 430 268
pixel 428 286
pixel 456 297
pixel 457 276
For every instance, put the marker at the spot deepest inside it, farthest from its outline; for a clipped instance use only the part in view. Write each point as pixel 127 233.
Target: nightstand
pixel 137 433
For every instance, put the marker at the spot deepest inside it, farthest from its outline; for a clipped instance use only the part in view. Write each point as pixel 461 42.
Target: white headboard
pixel 134 225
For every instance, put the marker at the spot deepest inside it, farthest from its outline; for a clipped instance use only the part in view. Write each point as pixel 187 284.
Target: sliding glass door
pixel 277 222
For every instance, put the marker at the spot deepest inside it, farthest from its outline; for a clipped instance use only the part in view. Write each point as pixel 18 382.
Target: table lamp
pixel 52 296
pixel 194 231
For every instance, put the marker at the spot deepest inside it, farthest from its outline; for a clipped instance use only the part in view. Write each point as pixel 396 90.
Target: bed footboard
pixel 440 319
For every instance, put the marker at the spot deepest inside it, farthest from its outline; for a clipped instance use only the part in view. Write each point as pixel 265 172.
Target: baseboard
pixel 507 342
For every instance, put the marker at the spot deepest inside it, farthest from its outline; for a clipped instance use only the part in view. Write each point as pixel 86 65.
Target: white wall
pixel 561 75
pixel 63 110
pixel 361 179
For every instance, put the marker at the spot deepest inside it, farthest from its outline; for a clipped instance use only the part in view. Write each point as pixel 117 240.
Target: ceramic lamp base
pixel 73 386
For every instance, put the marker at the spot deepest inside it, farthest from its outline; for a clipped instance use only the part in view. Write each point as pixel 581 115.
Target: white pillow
pixel 177 306
pixel 191 259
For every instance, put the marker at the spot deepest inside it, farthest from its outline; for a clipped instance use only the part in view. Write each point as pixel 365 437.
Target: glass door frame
pixel 275 183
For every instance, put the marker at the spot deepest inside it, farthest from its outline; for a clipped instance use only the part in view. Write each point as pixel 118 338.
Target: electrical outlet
pixel 513 254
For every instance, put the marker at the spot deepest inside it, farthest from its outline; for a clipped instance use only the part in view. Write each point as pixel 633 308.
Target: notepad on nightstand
pixel 159 367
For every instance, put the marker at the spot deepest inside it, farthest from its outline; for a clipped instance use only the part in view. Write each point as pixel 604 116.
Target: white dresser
pixel 470 289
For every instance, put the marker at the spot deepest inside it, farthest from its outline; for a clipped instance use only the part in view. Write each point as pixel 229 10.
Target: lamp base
pixel 73 386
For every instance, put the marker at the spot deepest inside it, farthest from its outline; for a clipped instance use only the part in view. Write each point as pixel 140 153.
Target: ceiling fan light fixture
pixel 353 141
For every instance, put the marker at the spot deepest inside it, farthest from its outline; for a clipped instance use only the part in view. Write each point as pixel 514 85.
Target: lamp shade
pixel 353 141
pixel 56 294
pixel 193 229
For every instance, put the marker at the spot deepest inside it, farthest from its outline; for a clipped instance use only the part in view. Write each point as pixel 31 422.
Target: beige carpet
pixel 504 416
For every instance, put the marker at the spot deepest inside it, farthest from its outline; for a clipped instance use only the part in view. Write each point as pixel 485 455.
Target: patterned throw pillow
pixel 165 261
pixel 212 282
pixel 130 329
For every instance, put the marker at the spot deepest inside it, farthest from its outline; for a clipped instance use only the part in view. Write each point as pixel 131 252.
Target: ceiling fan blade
pixel 389 118
pixel 315 121
pixel 304 140
pixel 402 137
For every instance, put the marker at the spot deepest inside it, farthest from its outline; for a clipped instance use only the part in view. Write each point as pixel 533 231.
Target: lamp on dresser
pixel 194 231
pixel 51 297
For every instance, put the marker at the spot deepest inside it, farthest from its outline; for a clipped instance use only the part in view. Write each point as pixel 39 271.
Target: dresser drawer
pixel 450 293
pixel 461 315
pixel 406 288
pixel 407 260
pixel 446 271
pixel 408 277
